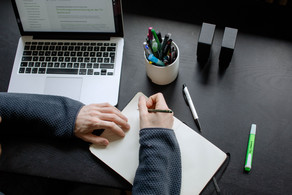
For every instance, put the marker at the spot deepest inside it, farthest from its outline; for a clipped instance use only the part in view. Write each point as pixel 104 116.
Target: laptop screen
pixel 36 17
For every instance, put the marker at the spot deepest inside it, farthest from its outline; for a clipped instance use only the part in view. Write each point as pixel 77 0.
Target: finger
pixel 150 103
pixel 115 119
pixel 103 105
pixel 94 139
pixel 142 105
pixel 157 101
pixel 107 108
pixel 111 126
pixel 0 119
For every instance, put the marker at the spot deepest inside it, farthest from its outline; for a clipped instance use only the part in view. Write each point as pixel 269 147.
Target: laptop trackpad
pixel 68 87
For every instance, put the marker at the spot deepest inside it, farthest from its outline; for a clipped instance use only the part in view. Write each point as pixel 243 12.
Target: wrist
pixel 155 129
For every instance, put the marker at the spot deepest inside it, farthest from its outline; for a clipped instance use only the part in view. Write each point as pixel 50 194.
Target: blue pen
pixel 146 49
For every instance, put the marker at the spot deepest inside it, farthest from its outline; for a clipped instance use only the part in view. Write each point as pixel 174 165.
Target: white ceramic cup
pixel 163 75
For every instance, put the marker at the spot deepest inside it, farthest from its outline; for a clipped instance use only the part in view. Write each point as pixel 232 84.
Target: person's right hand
pixel 154 119
pixel 100 116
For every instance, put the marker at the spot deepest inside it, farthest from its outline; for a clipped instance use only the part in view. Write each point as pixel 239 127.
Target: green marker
pixel 156 37
pixel 250 148
pixel 155 48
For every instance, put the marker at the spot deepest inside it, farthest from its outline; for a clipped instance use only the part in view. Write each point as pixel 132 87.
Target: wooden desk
pixel 256 88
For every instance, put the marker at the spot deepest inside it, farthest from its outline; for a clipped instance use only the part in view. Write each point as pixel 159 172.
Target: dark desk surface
pixel 255 88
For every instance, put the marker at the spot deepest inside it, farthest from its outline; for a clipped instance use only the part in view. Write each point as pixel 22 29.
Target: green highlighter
pixel 250 148
pixel 156 38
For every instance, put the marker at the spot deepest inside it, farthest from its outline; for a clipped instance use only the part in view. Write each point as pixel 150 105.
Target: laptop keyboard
pixel 78 58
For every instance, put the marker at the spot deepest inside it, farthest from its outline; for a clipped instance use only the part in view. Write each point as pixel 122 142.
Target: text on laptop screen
pixel 66 15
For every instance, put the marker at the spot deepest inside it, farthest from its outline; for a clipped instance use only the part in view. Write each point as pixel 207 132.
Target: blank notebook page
pixel 200 158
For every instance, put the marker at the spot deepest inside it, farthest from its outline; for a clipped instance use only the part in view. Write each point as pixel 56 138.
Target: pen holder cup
pixel 163 75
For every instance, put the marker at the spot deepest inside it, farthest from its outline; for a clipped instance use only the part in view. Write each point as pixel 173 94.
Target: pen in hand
pixel 159 110
pixel 191 105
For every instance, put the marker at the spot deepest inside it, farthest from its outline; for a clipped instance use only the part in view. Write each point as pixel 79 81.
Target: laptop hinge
pixel 71 37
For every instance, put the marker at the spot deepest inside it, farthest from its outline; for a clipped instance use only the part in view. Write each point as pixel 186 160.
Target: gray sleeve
pixel 159 170
pixel 37 115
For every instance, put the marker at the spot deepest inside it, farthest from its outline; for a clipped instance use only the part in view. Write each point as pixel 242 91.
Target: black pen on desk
pixel 191 105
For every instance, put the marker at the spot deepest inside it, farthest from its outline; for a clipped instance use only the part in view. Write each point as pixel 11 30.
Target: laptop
pixel 69 48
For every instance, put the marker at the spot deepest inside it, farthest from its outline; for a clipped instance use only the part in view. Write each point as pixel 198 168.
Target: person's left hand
pixel 100 116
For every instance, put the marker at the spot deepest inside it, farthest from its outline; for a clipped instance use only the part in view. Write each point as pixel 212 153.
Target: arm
pixel 56 116
pixel 37 115
pixel 159 170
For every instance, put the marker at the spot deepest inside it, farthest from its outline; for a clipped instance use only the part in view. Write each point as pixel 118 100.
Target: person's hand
pixel 154 119
pixel 100 116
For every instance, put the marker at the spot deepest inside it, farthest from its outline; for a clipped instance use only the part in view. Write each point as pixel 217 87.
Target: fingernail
pixel 105 142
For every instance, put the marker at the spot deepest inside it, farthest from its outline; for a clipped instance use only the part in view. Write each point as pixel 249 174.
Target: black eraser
pixel 228 45
pixel 205 41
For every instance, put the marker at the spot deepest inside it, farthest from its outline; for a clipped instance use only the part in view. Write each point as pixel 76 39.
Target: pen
pixel 159 36
pixel 159 110
pixel 156 38
pixel 173 54
pixel 149 43
pixel 155 48
pixel 160 41
pixel 167 47
pixel 158 62
pixel 216 185
pixel 146 49
pixel 191 105
pixel 250 148
pixel 163 51
pixel 166 37
pixel 150 33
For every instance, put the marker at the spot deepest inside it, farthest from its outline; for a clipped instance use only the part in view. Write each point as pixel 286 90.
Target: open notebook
pixel 200 158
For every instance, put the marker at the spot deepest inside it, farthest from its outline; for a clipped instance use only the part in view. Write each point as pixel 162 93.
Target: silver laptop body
pixel 70 48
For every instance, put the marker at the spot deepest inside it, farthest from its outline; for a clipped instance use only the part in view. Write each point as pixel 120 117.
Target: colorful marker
pixel 156 38
pixel 164 53
pixel 150 33
pixel 250 148
pixel 155 60
pixel 155 48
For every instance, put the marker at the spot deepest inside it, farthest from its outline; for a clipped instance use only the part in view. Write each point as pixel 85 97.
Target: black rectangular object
pixel 228 45
pixel 205 41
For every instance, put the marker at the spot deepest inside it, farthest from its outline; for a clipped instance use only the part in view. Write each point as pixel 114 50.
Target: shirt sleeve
pixel 37 115
pixel 159 170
